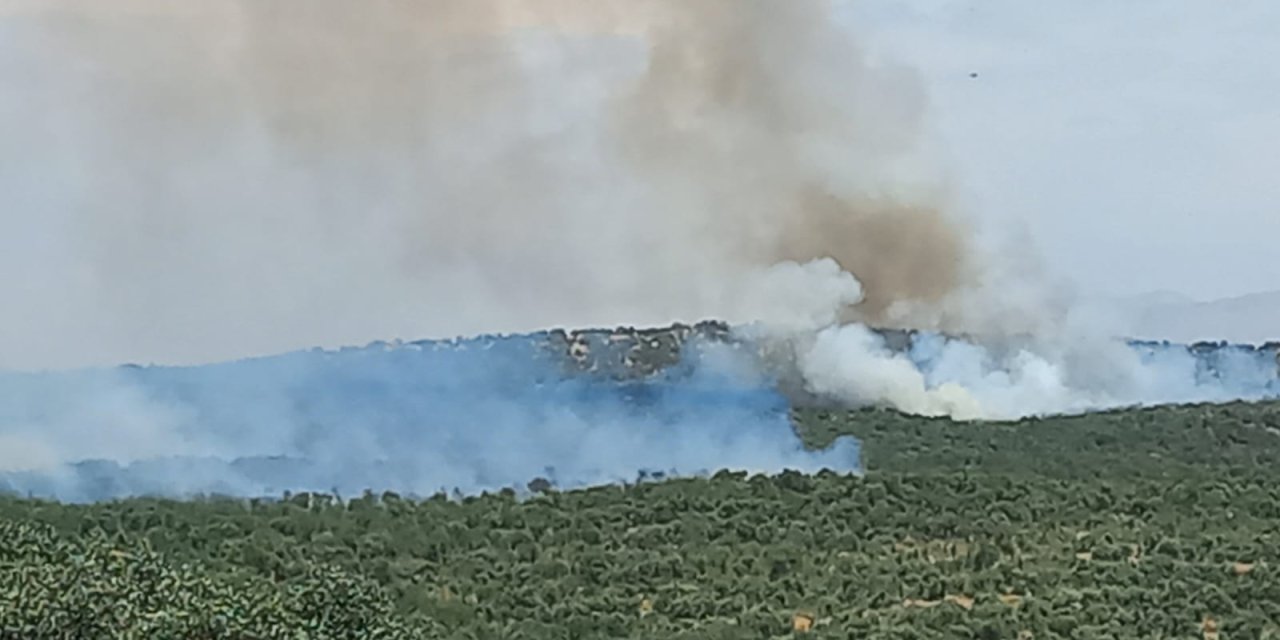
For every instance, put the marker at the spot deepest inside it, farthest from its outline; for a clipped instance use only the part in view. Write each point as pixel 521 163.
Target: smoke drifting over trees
pixel 203 181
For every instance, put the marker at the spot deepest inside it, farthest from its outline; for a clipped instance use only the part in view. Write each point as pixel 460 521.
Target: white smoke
pixel 852 364
pixel 791 297
pixel 199 181
pixel 964 380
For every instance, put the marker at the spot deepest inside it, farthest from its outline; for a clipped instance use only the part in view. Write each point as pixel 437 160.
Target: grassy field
pixel 1154 523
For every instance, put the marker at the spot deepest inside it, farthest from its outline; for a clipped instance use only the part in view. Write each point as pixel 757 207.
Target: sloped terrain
pixel 576 409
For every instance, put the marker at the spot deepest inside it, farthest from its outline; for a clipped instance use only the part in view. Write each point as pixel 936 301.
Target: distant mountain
pixel 1253 318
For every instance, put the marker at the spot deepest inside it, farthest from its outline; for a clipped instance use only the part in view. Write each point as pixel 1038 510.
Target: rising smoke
pixel 202 181
pixel 193 182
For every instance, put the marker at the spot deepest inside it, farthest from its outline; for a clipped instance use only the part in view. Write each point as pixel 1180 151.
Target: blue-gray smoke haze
pixel 200 181
pixel 417 418
pixel 497 412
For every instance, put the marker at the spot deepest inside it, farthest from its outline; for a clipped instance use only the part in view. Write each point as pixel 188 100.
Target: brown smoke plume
pixel 746 95
pixel 211 179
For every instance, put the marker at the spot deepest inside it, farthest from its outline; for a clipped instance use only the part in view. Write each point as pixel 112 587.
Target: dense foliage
pixel 1161 442
pixel 96 585
pixel 1155 523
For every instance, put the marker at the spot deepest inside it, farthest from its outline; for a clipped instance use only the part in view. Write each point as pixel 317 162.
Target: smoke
pixel 475 415
pixel 934 375
pixel 195 182
pixel 201 181
pixel 579 410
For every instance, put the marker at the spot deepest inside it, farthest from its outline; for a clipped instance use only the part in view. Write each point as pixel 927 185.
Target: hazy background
pixel 206 180
pixel 1126 149
pixel 1135 142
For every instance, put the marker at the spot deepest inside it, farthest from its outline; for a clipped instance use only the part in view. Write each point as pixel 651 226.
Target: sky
pixel 1130 145
pixel 1136 141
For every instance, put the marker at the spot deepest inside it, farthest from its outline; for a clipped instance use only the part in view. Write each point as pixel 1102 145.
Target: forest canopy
pixel 1145 523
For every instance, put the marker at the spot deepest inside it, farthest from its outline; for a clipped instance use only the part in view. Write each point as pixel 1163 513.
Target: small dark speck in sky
pixel 973 74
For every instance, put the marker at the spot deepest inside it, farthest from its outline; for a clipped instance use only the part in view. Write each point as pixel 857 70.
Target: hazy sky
pixel 1136 140
pixel 146 215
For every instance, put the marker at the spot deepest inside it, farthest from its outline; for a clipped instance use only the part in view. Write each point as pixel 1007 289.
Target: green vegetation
pixel 99 586
pixel 1159 523
pixel 1162 442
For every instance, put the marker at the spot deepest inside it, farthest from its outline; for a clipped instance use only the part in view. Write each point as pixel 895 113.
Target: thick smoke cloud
pixel 939 376
pixel 195 182
pixel 200 181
